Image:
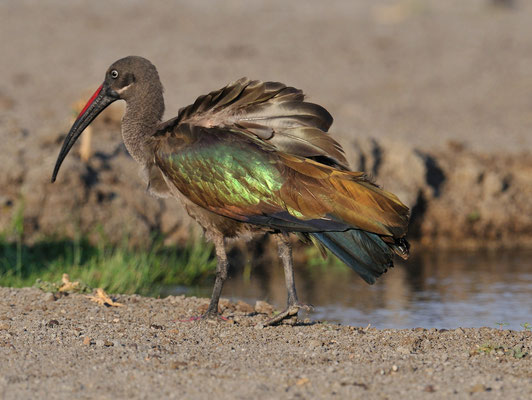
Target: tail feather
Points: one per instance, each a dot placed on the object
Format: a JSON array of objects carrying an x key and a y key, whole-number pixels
[
  {"x": 366, "y": 253},
  {"x": 400, "y": 246}
]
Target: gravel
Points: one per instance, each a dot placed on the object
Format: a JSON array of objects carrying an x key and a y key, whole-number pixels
[{"x": 71, "y": 348}]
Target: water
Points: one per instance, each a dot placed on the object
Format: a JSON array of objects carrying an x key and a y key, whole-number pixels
[{"x": 430, "y": 291}]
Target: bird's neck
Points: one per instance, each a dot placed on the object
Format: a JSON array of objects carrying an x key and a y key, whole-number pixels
[{"x": 143, "y": 114}]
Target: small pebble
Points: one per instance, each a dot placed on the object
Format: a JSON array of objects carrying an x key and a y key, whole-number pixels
[
  {"x": 87, "y": 341},
  {"x": 429, "y": 389},
  {"x": 49, "y": 297},
  {"x": 302, "y": 381},
  {"x": 479, "y": 388},
  {"x": 262, "y": 307},
  {"x": 100, "y": 343},
  {"x": 403, "y": 350},
  {"x": 177, "y": 364},
  {"x": 52, "y": 323},
  {"x": 244, "y": 307}
]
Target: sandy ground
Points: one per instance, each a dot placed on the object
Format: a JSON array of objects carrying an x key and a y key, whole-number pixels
[
  {"x": 421, "y": 73},
  {"x": 73, "y": 348}
]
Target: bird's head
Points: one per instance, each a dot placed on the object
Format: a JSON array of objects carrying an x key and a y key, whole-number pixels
[
  {"x": 130, "y": 76},
  {"x": 127, "y": 79}
]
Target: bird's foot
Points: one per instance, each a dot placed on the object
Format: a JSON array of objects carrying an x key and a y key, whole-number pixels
[{"x": 289, "y": 315}]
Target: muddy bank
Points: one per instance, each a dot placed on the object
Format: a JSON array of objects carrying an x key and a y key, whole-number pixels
[
  {"x": 71, "y": 347},
  {"x": 459, "y": 198},
  {"x": 432, "y": 99}
]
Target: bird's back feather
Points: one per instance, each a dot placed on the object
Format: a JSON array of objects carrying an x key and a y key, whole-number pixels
[{"x": 273, "y": 112}]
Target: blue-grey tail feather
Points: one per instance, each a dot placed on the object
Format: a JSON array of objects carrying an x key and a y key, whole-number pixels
[{"x": 363, "y": 251}]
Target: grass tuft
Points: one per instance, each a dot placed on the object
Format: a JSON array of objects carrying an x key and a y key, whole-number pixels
[{"x": 116, "y": 269}]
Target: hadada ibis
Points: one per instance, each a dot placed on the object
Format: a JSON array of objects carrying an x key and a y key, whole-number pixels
[{"x": 253, "y": 157}]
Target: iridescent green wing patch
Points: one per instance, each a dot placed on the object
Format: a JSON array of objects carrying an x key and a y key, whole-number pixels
[{"x": 224, "y": 173}]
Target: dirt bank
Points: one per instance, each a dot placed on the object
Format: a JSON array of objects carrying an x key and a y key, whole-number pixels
[
  {"x": 431, "y": 98},
  {"x": 73, "y": 348}
]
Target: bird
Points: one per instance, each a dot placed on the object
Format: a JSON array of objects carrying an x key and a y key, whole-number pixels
[{"x": 251, "y": 158}]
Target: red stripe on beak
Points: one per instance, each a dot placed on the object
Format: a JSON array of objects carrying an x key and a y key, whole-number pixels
[{"x": 96, "y": 93}]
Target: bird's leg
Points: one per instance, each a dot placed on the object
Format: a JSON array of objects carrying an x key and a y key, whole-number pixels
[
  {"x": 285, "y": 254},
  {"x": 293, "y": 305},
  {"x": 221, "y": 275}
]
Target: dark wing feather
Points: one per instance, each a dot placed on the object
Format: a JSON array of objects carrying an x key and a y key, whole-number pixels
[{"x": 271, "y": 111}]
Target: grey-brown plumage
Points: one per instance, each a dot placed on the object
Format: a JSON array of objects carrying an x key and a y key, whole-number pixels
[{"x": 253, "y": 157}]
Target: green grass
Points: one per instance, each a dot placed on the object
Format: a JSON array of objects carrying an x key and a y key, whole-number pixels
[{"x": 117, "y": 269}]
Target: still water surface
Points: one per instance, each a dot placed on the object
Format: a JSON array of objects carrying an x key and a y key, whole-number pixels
[{"x": 431, "y": 290}]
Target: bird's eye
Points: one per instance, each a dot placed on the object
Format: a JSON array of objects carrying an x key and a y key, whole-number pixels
[{"x": 114, "y": 74}]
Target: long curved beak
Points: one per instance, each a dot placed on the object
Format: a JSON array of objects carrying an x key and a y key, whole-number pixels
[{"x": 96, "y": 104}]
